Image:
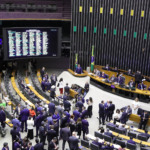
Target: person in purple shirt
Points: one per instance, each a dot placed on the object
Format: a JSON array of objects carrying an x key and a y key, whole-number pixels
[
  {"x": 24, "y": 114},
  {"x": 80, "y": 105},
  {"x": 85, "y": 127},
  {"x": 79, "y": 70},
  {"x": 84, "y": 113},
  {"x": 16, "y": 123},
  {"x": 2, "y": 117},
  {"x": 76, "y": 114},
  {"x": 5, "y": 146},
  {"x": 103, "y": 75},
  {"x": 56, "y": 116},
  {"x": 131, "y": 141}
]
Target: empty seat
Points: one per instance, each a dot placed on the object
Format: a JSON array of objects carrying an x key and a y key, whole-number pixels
[
  {"x": 144, "y": 148},
  {"x": 107, "y": 138},
  {"x": 121, "y": 143},
  {"x": 99, "y": 135},
  {"x": 85, "y": 143},
  {"x": 142, "y": 138},
  {"x": 120, "y": 131},
  {"x": 131, "y": 146},
  {"x": 110, "y": 127},
  {"x": 94, "y": 147},
  {"x": 132, "y": 134}
]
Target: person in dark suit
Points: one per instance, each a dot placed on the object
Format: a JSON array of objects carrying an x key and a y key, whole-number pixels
[
  {"x": 51, "y": 133},
  {"x": 85, "y": 127},
  {"x": 16, "y": 123},
  {"x": 84, "y": 113},
  {"x": 141, "y": 86},
  {"x": 42, "y": 72},
  {"x": 17, "y": 144},
  {"x": 112, "y": 79},
  {"x": 79, "y": 104},
  {"x": 65, "y": 133},
  {"x": 38, "y": 145},
  {"x": 42, "y": 134},
  {"x": 138, "y": 77},
  {"x": 101, "y": 113},
  {"x": 53, "y": 79},
  {"x": 2, "y": 117},
  {"x": 129, "y": 73},
  {"x": 76, "y": 114},
  {"x": 97, "y": 72},
  {"x": 107, "y": 67},
  {"x": 63, "y": 120},
  {"x": 5, "y": 146},
  {"x": 17, "y": 110},
  {"x": 128, "y": 110},
  {"x": 52, "y": 144},
  {"x": 52, "y": 92},
  {"x": 131, "y": 84},
  {"x": 51, "y": 107},
  {"x": 144, "y": 119},
  {"x": 73, "y": 142},
  {"x": 95, "y": 142},
  {"x": 24, "y": 114},
  {"x": 103, "y": 75},
  {"x": 111, "y": 109},
  {"x": 79, "y": 70},
  {"x": 131, "y": 141},
  {"x": 67, "y": 105},
  {"x": 120, "y": 81},
  {"x": 123, "y": 117},
  {"x": 30, "y": 147},
  {"x": 67, "y": 89},
  {"x": 86, "y": 88},
  {"x": 14, "y": 133}
]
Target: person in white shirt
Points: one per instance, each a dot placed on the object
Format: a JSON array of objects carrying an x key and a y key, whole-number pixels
[
  {"x": 117, "y": 116},
  {"x": 61, "y": 86},
  {"x": 30, "y": 124},
  {"x": 135, "y": 106}
]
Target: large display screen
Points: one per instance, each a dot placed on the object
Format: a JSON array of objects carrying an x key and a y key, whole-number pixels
[{"x": 31, "y": 42}]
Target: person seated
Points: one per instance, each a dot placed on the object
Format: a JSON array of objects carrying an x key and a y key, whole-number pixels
[
  {"x": 101, "y": 130},
  {"x": 108, "y": 146},
  {"x": 112, "y": 79},
  {"x": 106, "y": 67},
  {"x": 129, "y": 73},
  {"x": 79, "y": 70},
  {"x": 120, "y": 80},
  {"x": 122, "y": 127},
  {"x": 145, "y": 134},
  {"x": 115, "y": 69},
  {"x": 131, "y": 141},
  {"x": 141, "y": 86},
  {"x": 97, "y": 72},
  {"x": 97, "y": 143},
  {"x": 131, "y": 84},
  {"x": 117, "y": 116},
  {"x": 103, "y": 75},
  {"x": 108, "y": 133}
]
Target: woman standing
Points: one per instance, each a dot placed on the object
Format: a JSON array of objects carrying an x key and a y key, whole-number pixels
[
  {"x": 117, "y": 116},
  {"x": 135, "y": 106},
  {"x": 61, "y": 85},
  {"x": 90, "y": 107},
  {"x": 79, "y": 127},
  {"x": 30, "y": 124}
]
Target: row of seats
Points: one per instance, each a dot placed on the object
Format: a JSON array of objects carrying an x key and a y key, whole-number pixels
[{"x": 28, "y": 7}]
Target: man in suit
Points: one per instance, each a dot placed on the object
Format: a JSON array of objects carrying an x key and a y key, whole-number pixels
[
  {"x": 67, "y": 105},
  {"x": 84, "y": 113},
  {"x": 60, "y": 109},
  {"x": 17, "y": 144},
  {"x": 16, "y": 123},
  {"x": 128, "y": 110},
  {"x": 79, "y": 104},
  {"x": 85, "y": 127},
  {"x": 138, "y": 77},
  {"x": 101, "y": 113},
  {"x": 51, "y": 107},
  {"x": 67, "y": 89},
  {"x": 144, "y": 120},
  {"x": 97, "y": 72},
  {"x": 56, "y": 116},
  {"x": 38, "y": 145},
  {"x": 131, "y": 84},
  {"x": 95, "y": 142},
  {"x": 76, "y": 114},
  {"x": 42, "y": 72},
  {"x": 103, "y": 75},
  {"x": 65, "y": 133},
  {"x": 49, "y": 119},
  {"x": 111, "y": 109},
  {"x": 52, "y": 92},
  {"x": 17, "y": 110},
  {"x": 63, "y": 120},
  {"x": 2, "y": 117},
  {"x": 42, "y": 134},
  {"x": 51, "y": 133},
  {"x": 30, "y": 147},
  {"x": 52, "y": 144},
  {"x": 5, "y": 146},
  {"x": 73, "y": 142},
  {"x": 131, "y": 141},
  {"x": 86, "y": 88},
  {"x": 141, "y": 86},
  {"x": 123, "y": 117},
  {"x": 24, "y": 114},
  {"x": 53, "y": 79},
  {"x": 37, "y": 122},
  {"x": 120, "y": 80},
  {"x": 112, "y": 79},
  {"x": 43, "y": 84},
  {"x": 78, "y": 69}
]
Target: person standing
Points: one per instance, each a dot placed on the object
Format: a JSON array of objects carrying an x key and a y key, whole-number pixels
[
  {"x": 30, "y": 147},
  {"x": 2, "y": 117},
  {"x": 85, "y": 127},
  {"x": 51, "y": 107},
  {"x": 64, "y": 135},
  {"x": 86, "y": 88},
  {"x": 53, "y": 145},
  {"x": 135, "y": 106},
  {"x": 30, "y": 124},
  {"x": 53, "y": 79},
  {"x": 5, "y": 146},
  {"x": 101, "y": 113},
  {"x": 16, "y": 123},
  {"x": 90, "y": 107},
  {"x": 38, "y": 145},
  {"x": 61, "y": 86},
  {"x": 67, "y": 89},
  {"x": 144, "y": 120},
  {"x": 79, "y": 127},
  {"x": 73, "y": 142}
]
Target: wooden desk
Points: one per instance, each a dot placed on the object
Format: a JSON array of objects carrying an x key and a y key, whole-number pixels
[{"x": 84, "y": 74}]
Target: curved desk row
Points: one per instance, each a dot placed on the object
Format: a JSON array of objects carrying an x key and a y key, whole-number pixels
[
  {"x": 20, "y": 93},
  {"x": 84, "y": 74},
  {"x": 35, "y": 92}
]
